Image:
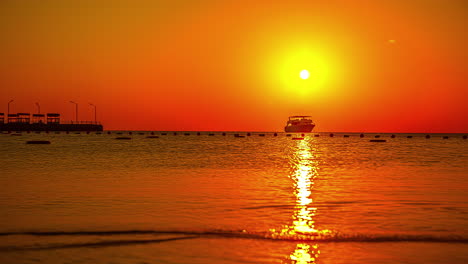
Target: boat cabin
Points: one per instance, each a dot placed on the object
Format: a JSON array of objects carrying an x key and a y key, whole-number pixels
[
  {"x": 295, "y": 120},
  {"x": 299, "y": 118}
]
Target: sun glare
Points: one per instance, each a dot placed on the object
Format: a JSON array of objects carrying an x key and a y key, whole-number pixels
[
  {"x": 304, "y": 74},
  {"x": 314, "y": 66}
]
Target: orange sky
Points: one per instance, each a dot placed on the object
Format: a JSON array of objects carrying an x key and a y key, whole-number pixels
[{"x": 383, "y": 66}]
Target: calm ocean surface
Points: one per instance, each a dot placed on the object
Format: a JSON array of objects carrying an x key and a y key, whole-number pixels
[{"x": 221, "y": 199}]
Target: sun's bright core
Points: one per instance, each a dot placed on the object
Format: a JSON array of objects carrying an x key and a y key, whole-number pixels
[{"x": 304, "y": 74}]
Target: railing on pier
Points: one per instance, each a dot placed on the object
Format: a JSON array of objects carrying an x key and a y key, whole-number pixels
[{"x": 81, "y": 122}]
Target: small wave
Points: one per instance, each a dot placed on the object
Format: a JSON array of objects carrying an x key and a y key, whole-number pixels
[
  {"x": 316, "y": 204},
  {"x": 268, "y": 206},
  {"x": 94, "y": 244},
  {"x": 315, "y": 237}
]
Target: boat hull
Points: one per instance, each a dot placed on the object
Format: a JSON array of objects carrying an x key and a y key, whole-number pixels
[{"x": 299, "y": 128}]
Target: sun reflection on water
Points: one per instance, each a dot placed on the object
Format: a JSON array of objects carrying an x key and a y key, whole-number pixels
[
  {"x": 305, "y": 254},
  {"x": 305, "y": 169}
]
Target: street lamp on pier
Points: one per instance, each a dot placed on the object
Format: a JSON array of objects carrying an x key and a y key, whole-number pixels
[
  {"x": 95, "y": 112},
  {"x": 76, "y": 111},
  {"x": 8, "y": 111}
]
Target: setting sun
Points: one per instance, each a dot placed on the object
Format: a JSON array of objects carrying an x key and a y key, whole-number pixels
[{"x": 304, "y": 74}]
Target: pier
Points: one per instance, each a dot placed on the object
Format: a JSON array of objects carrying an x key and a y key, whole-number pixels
[{"x": 44, "y": 122}]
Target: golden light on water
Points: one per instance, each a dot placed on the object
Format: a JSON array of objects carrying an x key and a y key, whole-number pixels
[
  {"x": 305, "y": 254},
  {"x": 302, "y": 227},
  {"x": 303, "y": 223},
  {"x": 305, "y": 170},
  {"x": 303, "y": 177}
]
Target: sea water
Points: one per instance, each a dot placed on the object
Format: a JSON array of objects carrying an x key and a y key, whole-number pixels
[{"x": 188, "y": 198}]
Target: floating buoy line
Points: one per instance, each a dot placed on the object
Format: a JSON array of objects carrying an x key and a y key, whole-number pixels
[{"x": 125, "y": 135}]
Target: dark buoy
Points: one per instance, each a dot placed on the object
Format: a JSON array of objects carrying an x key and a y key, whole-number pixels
[
  {"x": 377, "y": 140},
  {"x": 152, "y": 133},
  {"x": 377, "y": 136},
  {"x": 346, "y": 136},
  {"x": 108, "y": 132},
  {"x": 152, "y": 137},
  {"x": 302, "y": 135},
  {"x": 39, "y": 142},
  {"x": 331, "y": 135},
  {"x": 261, "y": 135},
  {"x": 428, "y": 136},
  {"x": 409, "y": 137},
  {"x": 316, "y": 135},
  {"x": 248, "y": 134},
  {"x": 175, "y": 133},
  {"x": 211, "y": 134},
  {"x": 224, "y": 134},
  {"x": 445, "y": 137},
  {"x": 392, "y": 136},
  {"x": 464, "y": 137},
  {"x": 130, "y": 133},
  {"x": 361, "y": 136},
  {"x": 123, "y": 138},
  {"x": 288, "y": 135},
  {"x": 186, "y": 134},
  {"x": 275, "y": 134},
  {"x": 198, "y": 134}
]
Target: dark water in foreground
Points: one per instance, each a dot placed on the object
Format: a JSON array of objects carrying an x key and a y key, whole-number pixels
[{"x": 220, "y": 199}]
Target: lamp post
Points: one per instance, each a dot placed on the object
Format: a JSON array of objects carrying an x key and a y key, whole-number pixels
[
  {"x": 38, "y": 108},
  {"x": 8, "y": 111},
  {"x": 76, "y": 111},
  {"x": 95, "y": 111}
]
